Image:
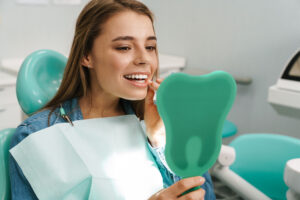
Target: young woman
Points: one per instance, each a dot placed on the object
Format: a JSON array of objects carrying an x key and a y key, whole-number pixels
[{"x": 111, "y": 71}]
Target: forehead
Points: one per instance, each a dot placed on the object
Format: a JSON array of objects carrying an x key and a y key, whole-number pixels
[{"x": 128, "y": 23}]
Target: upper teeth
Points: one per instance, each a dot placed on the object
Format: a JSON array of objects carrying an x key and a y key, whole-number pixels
[{"x": 137, "y": 76}]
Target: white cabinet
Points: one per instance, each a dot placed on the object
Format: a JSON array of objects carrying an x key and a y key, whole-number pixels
[
  {"x": 169, "y": 64},
  {"x": 10, "y": 111},
  {"x": 284, "y": 97}
]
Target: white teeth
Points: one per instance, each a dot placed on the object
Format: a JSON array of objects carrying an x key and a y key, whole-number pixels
[
  {"x": 140, "y": 81},
  {"x": 137, "y": 76}
]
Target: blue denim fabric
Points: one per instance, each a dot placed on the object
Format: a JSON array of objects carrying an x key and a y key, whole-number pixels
[{"x": 20, "y": 187}]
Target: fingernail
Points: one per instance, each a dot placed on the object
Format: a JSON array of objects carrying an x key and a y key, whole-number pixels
[{"x": 202, "y": 179}]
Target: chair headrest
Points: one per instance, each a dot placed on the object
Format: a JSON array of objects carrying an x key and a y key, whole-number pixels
[{"x": 39, "y": 78}]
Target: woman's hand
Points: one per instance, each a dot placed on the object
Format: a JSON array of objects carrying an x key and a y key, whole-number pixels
[
  {"x": 175, "y": 191},
  {"x": 154, "y": 125}
]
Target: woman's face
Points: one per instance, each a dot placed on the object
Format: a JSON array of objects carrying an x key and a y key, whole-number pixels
[{"x": 124, "y": 56}]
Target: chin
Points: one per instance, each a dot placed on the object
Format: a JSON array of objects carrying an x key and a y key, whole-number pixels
[{"x": 135, "y": 97}]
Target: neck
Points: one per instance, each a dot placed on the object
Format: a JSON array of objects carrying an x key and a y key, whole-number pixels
[{"x": 100, "y": 104}]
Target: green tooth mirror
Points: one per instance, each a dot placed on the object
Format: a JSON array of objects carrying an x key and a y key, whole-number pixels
[{"x": 194, "y": 109}]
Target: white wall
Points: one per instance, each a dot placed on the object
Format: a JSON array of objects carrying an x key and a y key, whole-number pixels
[
  {"x": 249, "y": 38},
  {"x": 24, "y": 29},
  {"x": 245, "y": 37}
]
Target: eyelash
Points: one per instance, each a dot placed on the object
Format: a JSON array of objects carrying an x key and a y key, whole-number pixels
[
  {"x": 123, "y": 48},
  {"x": 151, "y": 48}
]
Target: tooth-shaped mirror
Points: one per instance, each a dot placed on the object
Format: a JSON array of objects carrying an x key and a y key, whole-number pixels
[{"x": 193, "y": 109}]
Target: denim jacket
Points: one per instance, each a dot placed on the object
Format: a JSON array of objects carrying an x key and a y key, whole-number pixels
[{"x": 20, "y": 187}]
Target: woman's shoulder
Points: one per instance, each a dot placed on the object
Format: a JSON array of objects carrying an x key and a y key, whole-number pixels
[
  {"x": 41, "y": 119},
  {"x": 44, "y": 119},
  {"x": 34, "y": 123}
]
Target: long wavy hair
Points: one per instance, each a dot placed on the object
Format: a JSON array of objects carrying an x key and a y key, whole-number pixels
[{"x": 89, "y": 25}]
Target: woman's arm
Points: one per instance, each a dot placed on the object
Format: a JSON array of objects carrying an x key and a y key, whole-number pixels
[{"x": 20, "y": 187}]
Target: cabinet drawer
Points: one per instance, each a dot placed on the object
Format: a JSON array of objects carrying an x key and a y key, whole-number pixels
[
  {"x": 8, "y": 95},
  {"x": 10, "y": 116}
]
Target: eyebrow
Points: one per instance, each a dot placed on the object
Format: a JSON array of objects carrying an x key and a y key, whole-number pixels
[{"x": 131, "y": 38}]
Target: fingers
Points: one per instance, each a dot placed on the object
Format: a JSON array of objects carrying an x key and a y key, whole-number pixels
[
  {"x": 155, "y": 84},
  {"x": 197, "y": 194},
  {"x": 159, "y": 80},
  {"x": 186, "y": 184},
  {"x": 157, "y": 195},
  {"x": 180, "y": 187},
  {"x": 149, "y": 96}
]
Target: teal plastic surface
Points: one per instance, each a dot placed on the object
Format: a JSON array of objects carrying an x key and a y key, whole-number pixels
[
  {"x": 261, "y": 158},
  {"x": 5, "y": 138},
  {"x": 229, "y": 129},
  {"x": 39, "y": 79},
  {"x": 193, "y": 109}
]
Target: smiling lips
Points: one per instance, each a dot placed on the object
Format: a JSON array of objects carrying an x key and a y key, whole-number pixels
[{"x": 138, "y": 79}]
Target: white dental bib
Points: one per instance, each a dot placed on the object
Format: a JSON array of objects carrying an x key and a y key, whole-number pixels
[{"x": 103, "y": 158}]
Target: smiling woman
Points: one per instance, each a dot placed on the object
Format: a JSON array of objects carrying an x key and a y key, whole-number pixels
[
  {"x": 120, "y": 38},
  {"x": 110, "y": 78}
]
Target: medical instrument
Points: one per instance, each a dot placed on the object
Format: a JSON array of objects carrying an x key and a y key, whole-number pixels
[
  {"x": 286, "y": 92},
  {"x": 290, "y": 77},
  {"x": 64, "y": 115}
]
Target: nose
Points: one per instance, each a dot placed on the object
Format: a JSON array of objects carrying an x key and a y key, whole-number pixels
[{"x": 141, "y": 57}]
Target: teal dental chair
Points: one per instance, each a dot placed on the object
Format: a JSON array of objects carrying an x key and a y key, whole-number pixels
[
  {"x": 38, "y": 80},
  {"x": 255, "y": 166},
  {"x": 5, "y": 138},
  {"x": 261, "y": 159},
  {"x": 229, "y": 129}
]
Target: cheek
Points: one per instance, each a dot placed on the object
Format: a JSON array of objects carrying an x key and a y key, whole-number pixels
[
  {"x": 111, "y": 66},
  {"x": 119, "y": 63}
]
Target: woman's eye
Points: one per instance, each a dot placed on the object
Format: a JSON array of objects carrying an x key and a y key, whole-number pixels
[
  {"x": 123, "y": 48},
  {"x": 151, "y": 48}
]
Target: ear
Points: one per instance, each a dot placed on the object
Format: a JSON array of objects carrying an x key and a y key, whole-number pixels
[{"x": 87, "y": 61}]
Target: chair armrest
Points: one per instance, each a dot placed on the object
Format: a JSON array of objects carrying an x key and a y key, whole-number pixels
[
  {"x": 222, "y": 171},
  {"x": 226, "y": 156},
  {"x": 292, "y": 178}
]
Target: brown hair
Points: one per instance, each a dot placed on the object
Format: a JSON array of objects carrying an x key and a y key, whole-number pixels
[{"x": 76, "y": 80}]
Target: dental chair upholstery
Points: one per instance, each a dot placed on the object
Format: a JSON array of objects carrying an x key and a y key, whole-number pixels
[
  {"x": 5, "y": 138},
  {"x": 39, "y": 78},
  {"x": 261, "y": 159},
  {"x": 229, "y": 129}
]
